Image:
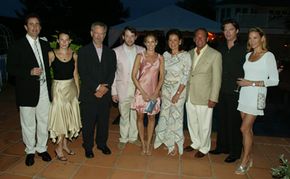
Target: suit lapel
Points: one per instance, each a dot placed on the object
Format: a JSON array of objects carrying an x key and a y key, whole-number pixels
[{"x": 202, "y": 60}]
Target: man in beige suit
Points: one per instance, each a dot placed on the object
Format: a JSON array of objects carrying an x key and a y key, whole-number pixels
[
  {"x": 203, "y": 91},
  {"x": 123, "y": 88}
]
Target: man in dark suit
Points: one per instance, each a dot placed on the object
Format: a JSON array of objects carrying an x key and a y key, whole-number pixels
[
  {"x": 229, "y": 136},
  {"x": 28, "y": 63},
  {"x": 97, "y": 66}
]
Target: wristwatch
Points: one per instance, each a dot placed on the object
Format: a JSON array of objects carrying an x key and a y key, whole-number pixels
[{"x": 254, "y": 84}]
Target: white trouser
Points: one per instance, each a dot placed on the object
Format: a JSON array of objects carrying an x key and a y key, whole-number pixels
[
  {"x": 128, "y": 123},
  {"x": 34, "y": 123},
  {"x": 199, "y": 121}
]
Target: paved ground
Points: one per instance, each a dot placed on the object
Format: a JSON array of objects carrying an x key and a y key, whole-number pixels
[{"x": 127, "y": 163}]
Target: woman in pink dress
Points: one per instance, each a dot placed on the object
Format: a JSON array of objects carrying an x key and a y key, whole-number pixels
[{"x": 147, "y": 75}]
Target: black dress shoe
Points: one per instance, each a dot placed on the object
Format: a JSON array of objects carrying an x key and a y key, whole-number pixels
[
  {"x": 105, "y": 149},
  {"x": 188, "y": 149},
  {"x": 89, "y": 154},
  {"x": 29, "y": 161},
  {"x": 199, "y": 154},
  {"x": 215, "y": 152},
  {"x": 45, "y": 156},
  {"x": 231, "y": 159}
]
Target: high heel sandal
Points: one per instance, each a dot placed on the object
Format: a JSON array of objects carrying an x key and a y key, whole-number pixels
[
  {"x": 143, "y": 150},
  {"x": 242, "y": 170},
  {"x": 69, "y": 151},
  {"x": 61, "y": 158},
  {"x": 149, "y": 150}
]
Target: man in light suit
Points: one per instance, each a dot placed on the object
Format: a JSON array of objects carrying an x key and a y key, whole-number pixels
[
  {"x": 97, "y": 66},
  {"x": 204, "y": 86},
  {"x": 123, "y": 88},
  {"x": 28, "y": 63}
]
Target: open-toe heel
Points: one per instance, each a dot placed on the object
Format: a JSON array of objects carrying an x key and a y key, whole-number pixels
[
  {"x": 69, "y": 151},
  {"x": 149, "y": 150},
  {"x": 61, "y": 158},
  {"x": 143, "y": 150}
]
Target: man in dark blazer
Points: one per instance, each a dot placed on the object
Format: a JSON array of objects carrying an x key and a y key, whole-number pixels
[
  {"x": 97, "y": 66},
  {"x": 28, "y": 62}
]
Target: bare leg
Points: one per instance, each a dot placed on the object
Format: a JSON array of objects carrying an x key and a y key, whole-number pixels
[
  {"x": 140, "y": 126},
  {"x": 65, "y": 147},
  {"x": 247, "y": 131},
  {"x": 150, "y": 130},
  {"x": 59, "y": 149}
]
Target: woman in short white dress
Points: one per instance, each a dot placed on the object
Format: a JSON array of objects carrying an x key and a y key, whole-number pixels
[{"x": 260, "y": 72}]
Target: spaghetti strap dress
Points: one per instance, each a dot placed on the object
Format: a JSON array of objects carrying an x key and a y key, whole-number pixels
[{"x": 148, "y": 77}]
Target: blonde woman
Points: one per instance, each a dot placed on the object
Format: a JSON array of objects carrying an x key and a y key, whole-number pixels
[
  {"x": 260, "y": 71},
  {"x": 147, "y": 75}
]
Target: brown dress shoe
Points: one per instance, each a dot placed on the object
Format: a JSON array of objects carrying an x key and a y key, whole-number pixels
[
  {"x": 188, "y": 149},
  {"x": 199, "y": 154}
]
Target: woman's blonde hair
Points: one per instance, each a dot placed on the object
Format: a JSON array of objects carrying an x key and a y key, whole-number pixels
[{"x": 262, "y": 34}]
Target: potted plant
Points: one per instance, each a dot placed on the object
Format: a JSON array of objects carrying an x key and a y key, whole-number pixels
[{"x": 283, "y": 170}]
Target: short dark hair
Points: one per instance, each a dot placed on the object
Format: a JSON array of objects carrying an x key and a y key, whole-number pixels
[
  {"x": 202, "y": 29},
  {"x": 178, "y": 34},
  {"x": 64, "y": 31},
  {"x": 131, "y": 29},
  {"x": 230, "y": 21},
  {"x": 31, "y": 15}
]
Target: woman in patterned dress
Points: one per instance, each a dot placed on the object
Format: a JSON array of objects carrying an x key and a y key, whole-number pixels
[{"x": 169, "y": 130}]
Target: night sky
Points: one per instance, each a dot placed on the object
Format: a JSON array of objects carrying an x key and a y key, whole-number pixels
[{"x": 137, "y": 7}]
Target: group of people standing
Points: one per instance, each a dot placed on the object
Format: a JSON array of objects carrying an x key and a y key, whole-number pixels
[{"x": 141, "y": 81}]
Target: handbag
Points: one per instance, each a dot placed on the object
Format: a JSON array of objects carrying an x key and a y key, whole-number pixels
[
  {"x": 150, "y": 106},
  {"x": 261, "y": 99}
]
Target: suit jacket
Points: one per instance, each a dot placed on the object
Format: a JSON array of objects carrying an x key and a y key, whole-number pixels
[
  {"x": 205, "y": 78},
  {"x": 20, "y": 61},
  {"x": 123, "y": 72},
  {"x": 92, "y": 72}
]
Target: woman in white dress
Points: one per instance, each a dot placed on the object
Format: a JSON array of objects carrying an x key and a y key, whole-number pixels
[
  {"x": 260, "y": 72},
  {"x": 177, "y": 68}
]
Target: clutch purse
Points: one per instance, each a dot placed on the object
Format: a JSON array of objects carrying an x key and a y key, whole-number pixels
[
  {"x": 150, "y": 106},
  {"x": 261, "y": 100}
]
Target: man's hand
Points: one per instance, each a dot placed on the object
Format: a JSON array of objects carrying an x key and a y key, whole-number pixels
[
  {"x": 115, "y": 98},
  {"x": 35, "y": 71},
  {"x": 101, "y": 91},
  {"x": 211, "y": 104}
]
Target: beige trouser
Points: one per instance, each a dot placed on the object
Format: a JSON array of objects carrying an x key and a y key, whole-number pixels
[
  {"x": 128, "y": 124},
  {"x": 34, "y": 123},
  {"x": 199, "y": 121}
]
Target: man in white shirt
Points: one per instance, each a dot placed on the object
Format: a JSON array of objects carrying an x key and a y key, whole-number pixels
[
  {"x": 123, "y": 88},
  {"x": 28, "y": 63}
]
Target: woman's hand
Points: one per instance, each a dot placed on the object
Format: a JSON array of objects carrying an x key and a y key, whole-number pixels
[
  {"x": 145, "y": 97},
  {"x": 243, "y": 82},
  {"x": 175, "y": 98},
  {"x": 155, "y": 95}
]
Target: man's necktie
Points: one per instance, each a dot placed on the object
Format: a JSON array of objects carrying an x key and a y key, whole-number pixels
[{"x": 38, "y": 57}]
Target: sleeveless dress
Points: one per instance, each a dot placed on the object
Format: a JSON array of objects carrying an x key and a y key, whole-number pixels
[
  {"x": 64, "y": 115},
  {"x": 264, "y": 69},
  {"x": 148, "y": 77}
]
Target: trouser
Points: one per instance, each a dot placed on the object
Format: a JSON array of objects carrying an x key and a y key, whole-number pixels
[
  {"x": 95, "y": 116},
  {"x": 199, "y": 120},
  {"x": 34, "y": 122},
  {"x": 229, "y": 136}
]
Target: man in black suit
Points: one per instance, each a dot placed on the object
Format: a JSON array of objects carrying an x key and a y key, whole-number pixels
[
  {"x": 28, "y": 62},
  {"x": 97, "y": 66}
]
